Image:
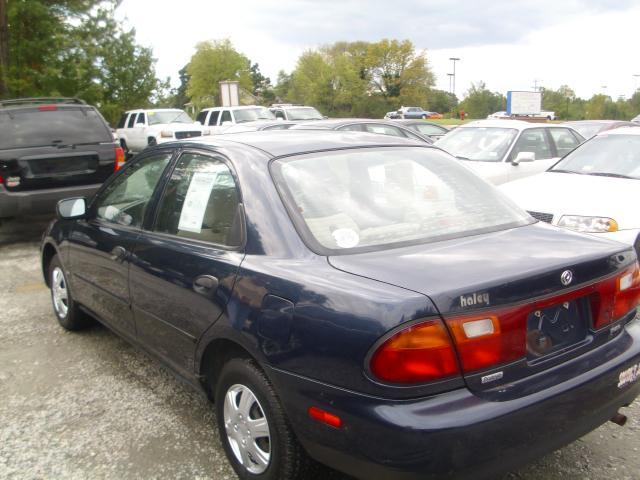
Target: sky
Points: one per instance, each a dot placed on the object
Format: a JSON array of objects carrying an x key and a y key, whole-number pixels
[{"x": 590, "y": 45}]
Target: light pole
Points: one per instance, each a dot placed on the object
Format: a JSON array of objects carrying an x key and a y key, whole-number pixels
[
  {"x": 454, "y": 60},
  {"x": 450, "y": 78}
]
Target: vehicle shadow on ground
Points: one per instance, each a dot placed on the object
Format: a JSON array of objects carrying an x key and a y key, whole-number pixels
[{"x": 23, "y": 229}]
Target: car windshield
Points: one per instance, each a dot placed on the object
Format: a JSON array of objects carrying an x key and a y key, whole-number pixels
[
  {"x": 303, "y": 113},
  {"x": 604, "y": 155},
  {"x": 384, "y": 197},
  {"x": 35, "y": 127},
  {"x": 483, "y": 144},
  {"x": 168, "y": 116},
  {"x": 243, "y": 115}
]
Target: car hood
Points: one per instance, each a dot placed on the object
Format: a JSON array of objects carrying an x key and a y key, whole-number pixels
[
  {"x": 491, "y": 269},
  {"x": 574, "y": 194}
]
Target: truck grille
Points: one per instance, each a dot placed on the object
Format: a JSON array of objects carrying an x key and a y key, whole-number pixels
[
  {"x": 543, "y": 217},
  {"x": 181, "y": 135}
]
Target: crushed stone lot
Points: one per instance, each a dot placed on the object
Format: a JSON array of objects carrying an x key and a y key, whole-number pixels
[{"x": 89, "y": 405}]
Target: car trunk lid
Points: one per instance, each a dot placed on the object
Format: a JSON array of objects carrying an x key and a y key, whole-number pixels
[{"x": 518, "y": 274}]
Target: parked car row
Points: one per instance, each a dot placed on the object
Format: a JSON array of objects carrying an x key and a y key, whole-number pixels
[{"x": 411, "y": 113}]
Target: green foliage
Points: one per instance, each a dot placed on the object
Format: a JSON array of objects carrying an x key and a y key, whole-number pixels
[
  {"x": 441, "y": 101},
  {"x": 480, "y": 101},
  {"x": 213, "y": 62},
  {"x": 77, "y": 48},
  {"x": 359, "y": 78}
]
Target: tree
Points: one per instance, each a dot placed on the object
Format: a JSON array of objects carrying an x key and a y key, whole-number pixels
[
  {"x": 441, "y": 101},
  {"x": 262, "y": 88},
  {"x": 480, "y": 101},
  {"x": 213, "y": 62},
  {"x": 283, "y": 85}
]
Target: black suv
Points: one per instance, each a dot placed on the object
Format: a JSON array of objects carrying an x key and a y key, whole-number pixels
[{"x": 52, "y": 148}]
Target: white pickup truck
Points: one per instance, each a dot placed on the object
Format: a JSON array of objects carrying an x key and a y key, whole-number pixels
[{"x": 138, "y": 129}]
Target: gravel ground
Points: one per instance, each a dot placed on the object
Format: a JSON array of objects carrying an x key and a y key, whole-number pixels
[{"x": 88, "y": 405}]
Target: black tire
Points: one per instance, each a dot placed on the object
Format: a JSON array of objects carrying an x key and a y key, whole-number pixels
[
  {"x": 288, "y": 460},
  {"x": 73, "y": 318}
]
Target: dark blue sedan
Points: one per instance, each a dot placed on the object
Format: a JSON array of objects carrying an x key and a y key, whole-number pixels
[{"x": 361, "y": 301}]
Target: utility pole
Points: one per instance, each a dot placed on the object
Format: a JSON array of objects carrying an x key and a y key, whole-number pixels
[
  {"x": 535, "y": 84},
  {"x": 454, "y": 60},
  {"x": 450, "y": 84}
]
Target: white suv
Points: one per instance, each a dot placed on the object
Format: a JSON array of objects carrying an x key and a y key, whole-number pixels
[
  {"x": 138, "y": 129},
  {"x": 219, "y": 119},
  {"x": 286, "y": 111}
]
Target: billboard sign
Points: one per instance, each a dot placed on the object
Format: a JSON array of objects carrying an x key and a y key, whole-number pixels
[{"x": 524, "y": 103}]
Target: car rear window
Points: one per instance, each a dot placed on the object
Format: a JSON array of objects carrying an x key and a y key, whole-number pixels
[
  {"x": 59, "y": 126},
  {"x": 373, "y": 198}
]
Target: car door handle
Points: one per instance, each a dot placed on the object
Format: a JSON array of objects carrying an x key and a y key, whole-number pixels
[
  {"x": 118, "y": 254},
  {"x": 205, "y": 284}
]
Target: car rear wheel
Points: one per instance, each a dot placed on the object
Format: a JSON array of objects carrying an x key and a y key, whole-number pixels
[
  {"x": 424, "y": 117},
  {"x": 253, "y": 428},
  {"x": 67, "y": 311}
]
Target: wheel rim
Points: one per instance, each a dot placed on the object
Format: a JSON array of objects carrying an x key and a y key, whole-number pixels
[
  {"x": 59, "y": 292},
  {"x": 247, "y": 429}
]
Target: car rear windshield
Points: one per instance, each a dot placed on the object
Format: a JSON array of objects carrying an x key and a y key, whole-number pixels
[
  {"x": 483, "y": 144},
  {"x": 303, "y": 113},
  {"x": 36, "y": 127},
  {"x": 606, "y": 156},
  {"x": 372, "y": 198}
]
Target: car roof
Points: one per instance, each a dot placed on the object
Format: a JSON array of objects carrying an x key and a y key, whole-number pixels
[
  {"x": 596, "y": 122},
  {"x": 277, "y": 143},
  {"x": 336, "y": 122},
  {"x": 416, "y": 121},
  {"x": 620, "y": 131},
  {"x": 138, "y": 110},
  {"x": 507, "y": 123},
  {"x": 237, "y": 107}
]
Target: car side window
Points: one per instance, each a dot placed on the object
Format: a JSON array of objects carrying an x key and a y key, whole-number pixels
[
  {"x": 122, "y": 122},
  {"x": 427, "y": 129},
  {"x": 384, "y": 130},
  {"x": 533, "y": 140},
  {"x": 142, "y": 118},
  {"x": 279, "y": 114},
  {"x": 213, "y": 119},
  {"x": 564, "y": 139},
  {"x": 132, "y": 120},
  {"x": 226, "y": 117},
  {"x": 201, "y": 202},
  {"x": 202, "y": 117},
  {"x": 124, "y": 201},
  {"x": 356, "y": 127}
]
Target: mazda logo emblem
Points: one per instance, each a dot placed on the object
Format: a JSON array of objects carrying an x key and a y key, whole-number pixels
[{"x": 567, "y": 277}]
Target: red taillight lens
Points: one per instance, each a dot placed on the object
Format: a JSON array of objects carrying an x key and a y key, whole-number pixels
[
  {"x": 420, "y": 353},
  {"x": 616, "y": 297},
  {"x": 325, "y": 417},
  {"x": 1, "y": 180},
  {"x": 120, "y": 159},
  {"x": 47, "y": 108}
]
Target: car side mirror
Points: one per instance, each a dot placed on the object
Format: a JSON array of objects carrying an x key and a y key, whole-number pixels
[
  {"x": 139, "y": 125},
  {"x": 70, "y": 208},
  {"x": 524, "y": 157}
]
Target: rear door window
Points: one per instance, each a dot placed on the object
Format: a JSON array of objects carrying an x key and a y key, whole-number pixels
[
  {"x": 142, "y": 118},
  {"x": 384, "y": 130},
  {"x": 201, "y": 202},
  {"x": 226, "y": 117},
  {"x": 132, "y": 120},
  {"x": 54, "y": 127}
]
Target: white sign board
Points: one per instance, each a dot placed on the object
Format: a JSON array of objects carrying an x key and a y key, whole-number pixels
[
  {"x": 229, "y": 94},
  {"x": 196, "y": 201},
  {"x": 524, "y": 103}
]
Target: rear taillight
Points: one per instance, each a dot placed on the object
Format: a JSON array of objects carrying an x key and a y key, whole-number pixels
[
  {"x": 420, "y": 353},
  {"x": 1, "y": 180},
  {"x": 120, "y": 159},
  {"x": 424, "y": 352},
  {"x": 48, "y": 108}
]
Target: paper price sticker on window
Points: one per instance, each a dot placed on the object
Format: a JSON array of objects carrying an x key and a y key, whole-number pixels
[
  {"x": 629, "y": 376},
  {"x": 196, "y": 201}
]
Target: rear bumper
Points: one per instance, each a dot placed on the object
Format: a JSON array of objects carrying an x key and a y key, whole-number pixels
[
  {"x": 460, "y": 434},
  {"x": 39, "y": 201}
]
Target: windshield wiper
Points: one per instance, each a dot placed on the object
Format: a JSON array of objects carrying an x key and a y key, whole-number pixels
[
  {"x": 614, "y": 175},
  {"x": 559, "y": 170}
]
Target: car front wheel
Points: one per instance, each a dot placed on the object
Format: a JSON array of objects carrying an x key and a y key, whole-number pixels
[
  {"x": 67, "y": 311},
  {"x": 253, "y": 428}
]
